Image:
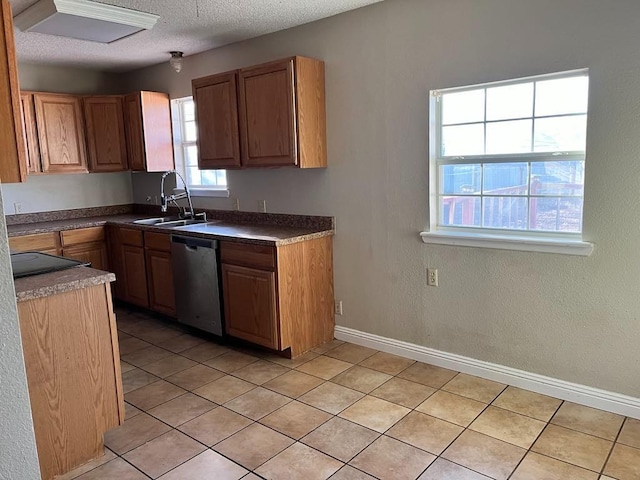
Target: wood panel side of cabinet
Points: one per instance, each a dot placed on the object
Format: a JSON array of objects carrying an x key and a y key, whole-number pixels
[
  {"x": 157, "y": 131},
  {"x": 133, "y": 131},
  {"x": 311, "y": 115},
  {"x": 160, "y": 281},
  {"x": 13, "y": 161},
  {"x": 267, "y": 115},
  {"x": 216, "y": 103},
  {"x": 250, "y": 305},
  {"x": 61, "y": 133},
  {"x": 106, "y": 142},
  {"x": 305, "y": 294},
  {"x": 30, "y": 133},
  {"x": 73, "y": 375}
]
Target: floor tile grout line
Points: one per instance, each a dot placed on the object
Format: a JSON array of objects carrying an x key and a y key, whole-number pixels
[
  {"x": 547, "y": 423},
  {"x": 615, "y": 442}
]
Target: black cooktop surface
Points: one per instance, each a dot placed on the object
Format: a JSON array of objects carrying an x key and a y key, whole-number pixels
[{"x": 35, "y": 263}]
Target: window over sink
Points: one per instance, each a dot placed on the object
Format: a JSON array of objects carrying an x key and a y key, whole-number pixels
[
  {"x": 204, "y": 183},
  {"x": 508, "y": 161}
]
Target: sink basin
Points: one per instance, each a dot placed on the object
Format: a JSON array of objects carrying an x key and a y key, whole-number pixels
[
  {"x": 156, "y": 221},
  {"x": 180, "y": 223}
]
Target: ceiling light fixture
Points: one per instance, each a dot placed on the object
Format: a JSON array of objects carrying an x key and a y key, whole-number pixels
[
  {"x": 176, "y": 61},
  {"x": 84, "y": 20}
]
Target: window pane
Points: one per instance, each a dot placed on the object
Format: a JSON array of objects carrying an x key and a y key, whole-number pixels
[
  {"x": 506, "y": 179},
  {"x": 222, "y": 177},
  {"x": 209, "y": 177},
  {"x": 558, "y": 178},
  {"x": 463, "y": 107},
  {"x": 188, "y": 110},
  {"x": 458, "y": 179},
  {"x": 191, "y": 156},
  {"x": 505, "y": 212},
  {"x": 561, "y": 96},
  {"x": 512, "y": 101},
  {"x": 463, "y": 140},
  {"x": 509, "y": 137},
  {"x": 460, "y": 211},
  {"x": 556, "y": 214},
  {"x": 561, "y": 134},
  {"x": 193, "y": 176},
  {"x": 190, "y": 132}
]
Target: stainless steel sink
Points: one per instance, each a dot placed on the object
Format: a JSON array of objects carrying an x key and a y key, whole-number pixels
[
  {"x": 156, "y": 221},
  {"x": 180, "y": 223}
]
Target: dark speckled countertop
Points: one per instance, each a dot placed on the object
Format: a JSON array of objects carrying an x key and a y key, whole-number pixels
[
  {"x": 273, "y": 235},
  {"x": 47, "y": 284}
]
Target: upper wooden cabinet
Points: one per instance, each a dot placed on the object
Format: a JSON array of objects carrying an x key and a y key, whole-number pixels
[
  {"x": 147, "y": 121},
  {"x": 281, "y": 116},
  {"x": 60, "y": 132},
  {"x": 13, "y": 160},
  {"x": 107, "y": 146},
  {"x": 217, "y": 119}
]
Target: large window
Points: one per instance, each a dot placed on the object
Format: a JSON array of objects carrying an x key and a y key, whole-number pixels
[
  {"x": 508, "y": 158},
  {"x": 185, "y": 138}
]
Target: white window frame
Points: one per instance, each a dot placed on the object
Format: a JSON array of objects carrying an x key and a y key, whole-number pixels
[
  {"x": 569, "y": 243},
  {"x": 179, "y": 145}
]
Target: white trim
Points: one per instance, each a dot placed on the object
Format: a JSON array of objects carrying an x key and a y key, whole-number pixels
[
  {"x": 222, "y": 192},
  {"x": 503, "y": 242},
  {"x": 42, "y": 10},
  {"x": 573, "y": 392}
]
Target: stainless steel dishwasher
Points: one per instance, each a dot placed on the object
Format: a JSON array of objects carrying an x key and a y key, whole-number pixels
[{"x": 195, "y": 282}]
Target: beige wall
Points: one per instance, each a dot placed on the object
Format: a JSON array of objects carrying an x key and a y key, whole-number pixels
[
  {"x": 18, "y": 455},
  {"x": 572, "y": 318},
  {"x": 61, "y": 192}
]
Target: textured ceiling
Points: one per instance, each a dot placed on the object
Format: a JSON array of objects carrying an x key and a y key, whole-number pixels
[{"x": 190, "y": 26}]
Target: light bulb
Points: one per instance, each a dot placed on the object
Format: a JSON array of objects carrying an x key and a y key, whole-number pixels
[{"x": 176, "y": 61}]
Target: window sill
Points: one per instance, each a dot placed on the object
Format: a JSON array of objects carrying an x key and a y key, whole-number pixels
[
  {"x": 205, "y": 192},
  {"x": 503, "y": 242}
]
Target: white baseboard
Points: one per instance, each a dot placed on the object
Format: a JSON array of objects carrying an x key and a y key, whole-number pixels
[{"x": 573, "y": 392}]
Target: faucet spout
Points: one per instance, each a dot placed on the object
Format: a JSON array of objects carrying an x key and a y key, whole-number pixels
[{"x": 165, "y": 199}]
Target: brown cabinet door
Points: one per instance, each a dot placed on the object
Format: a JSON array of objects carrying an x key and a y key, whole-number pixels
[
  {"x": 105, "y": 133},
  {"x": 13, "y": 159},
  {"x": 267, "y": 115},
  {"x": 116, "y": 265},
  {"x": 30, "y": 133},
  {"x": 160, "y": 280},
  {"x": 250, "y": 305},
  {"x": 133, "y": 129},
  {"x": 216, "y": 103},
  {"x": 96, "y": 253},
  {"x": 135, "y": 276},
  {"x": 61, "y": 133}
]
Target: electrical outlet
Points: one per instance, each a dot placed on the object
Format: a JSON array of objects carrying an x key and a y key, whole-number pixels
[
  {"x": 432, "y": 277},
  {"x": 235, "y": 204},
  {"x": 17, "y": 207},
  {"x": 338, "y": 307},
  {"x": 262, "y": 206}
]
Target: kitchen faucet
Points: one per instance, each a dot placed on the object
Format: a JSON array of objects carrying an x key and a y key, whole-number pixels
[{"x": 164, "y": 200}]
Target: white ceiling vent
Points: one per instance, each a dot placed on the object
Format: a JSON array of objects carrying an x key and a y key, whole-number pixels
[{"x": 83, "y": 19}]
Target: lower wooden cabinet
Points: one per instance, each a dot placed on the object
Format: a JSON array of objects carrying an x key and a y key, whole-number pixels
[
  {"x": 279, "y": 297},
  {"x": 159, "y": 273},
  {"x": 39, "y": 242},
  {"x": 250, "y": 304},
  {"x": 86, "y": 245},
  {"x": 141, "y": 262}
]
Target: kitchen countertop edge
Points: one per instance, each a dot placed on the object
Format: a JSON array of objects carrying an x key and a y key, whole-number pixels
[
  {"x": 48, "y": 284},
  {"x": 128, "y": 219}
]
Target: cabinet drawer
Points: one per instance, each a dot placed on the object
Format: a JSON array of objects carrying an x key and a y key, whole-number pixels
[
  {"x": 258, "y": 256},
  {"x": 82, "y": 235},
  {"x": 129, "y": 236},
  {"x": 157, "y": 241},
  {"x": 39, "y": 241}
]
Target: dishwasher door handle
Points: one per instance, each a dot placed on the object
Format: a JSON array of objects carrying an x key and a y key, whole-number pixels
[{"x": 190, "y": 248}]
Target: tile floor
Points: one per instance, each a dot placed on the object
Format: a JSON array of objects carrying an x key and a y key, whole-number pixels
[{"x": 199, "y": 410}]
